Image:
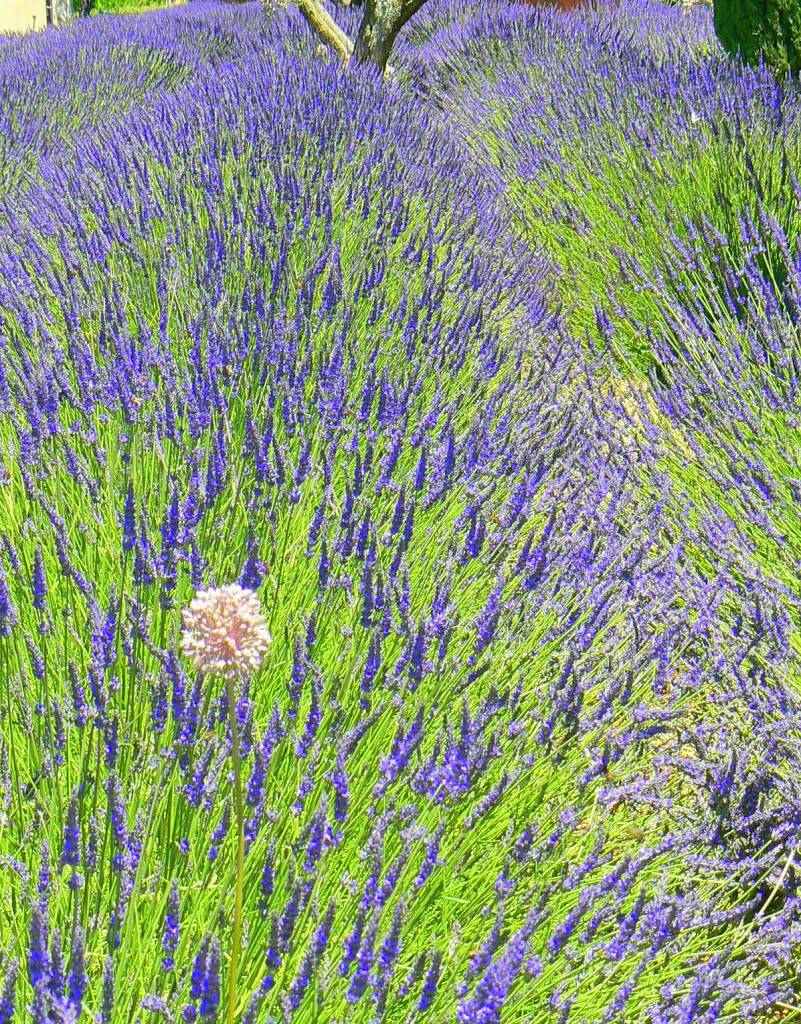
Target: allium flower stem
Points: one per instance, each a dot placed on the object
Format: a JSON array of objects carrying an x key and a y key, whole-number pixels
[
  {"x": 240, "y": 848},
  {"x": 225, "y": 632}
]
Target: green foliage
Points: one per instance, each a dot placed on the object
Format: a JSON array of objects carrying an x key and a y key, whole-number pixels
[
  {"x": 125, "y": 6},
  {"x": 597, "y": 196},
  {"x": 769, "y": 27},
  {"x": 603, "y": 195}
]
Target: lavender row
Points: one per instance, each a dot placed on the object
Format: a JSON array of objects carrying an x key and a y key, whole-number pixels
[{"x": 508, "y": 710}]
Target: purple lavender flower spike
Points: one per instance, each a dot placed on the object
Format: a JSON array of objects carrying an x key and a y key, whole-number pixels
[
  {"x": 9, "y": 993},
  {"x": 171, "y": 927},
  {"x": 429, "y": 989}
]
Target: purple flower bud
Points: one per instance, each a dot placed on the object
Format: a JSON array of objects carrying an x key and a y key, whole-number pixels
[
  {"x": 420, "y": 473},
  {"x": 37, "y": 661},
  {"x": 254, "y": 569},
  {"x": 299, "y": 671},
  {"x": 79, "y": 705},
  {"x": 367, "y": 596},
  {"x": 310, "y": 960},
  {"x": 144, "y": 570},
  {"x": 323, "y": 566},
  {"x": 372, "y": 665},
  {"x": 280, "y": 469},
  {"x": 431, "y": 857},
  {"x": 107, "y": 1001},
  {"x": 38, "y": 956},
  {"x": 92, "y": 847},
  {"x": 43, "y": 886},
  {"x": 363, "y": 535},
  {"x": 71, "y": 853},
  {"x": 488, "y": 802},
  {"x": 323, "y": 933},
  {"x": 364, "y": 963},
  {"x": 491, "y": 992},
  {"x": 488, "y": 620},
  {"x": 250, "y": 1016},
  {"x": 77, "y": 979},
  {"x": 171, "y": 927},
  {"x": 429, "y": 989},
  {"x": 398, "y": 513},
  {"x": 352, "y": 942},
  {"x": 8, "y": 612},
  {"x": 311, "y": 630},
  {"x": 117, "y": 811},
  {"x": 157, "y": 1005},
  {"x": 358, "y": 476},
  {"x": 8, "y": 998},
  {"x": 475, "y": 535},
  {"x": 347, "y": 508},
  {"x": 390, "y": 947},
  {"x": 159, "y": 708},
  {"x": 392, "y": 877},
  {"x": 199, "y": 968},
  {"x": 417, "y": 652},
  {"x": 197, "y": 566},
  {"x": 111, "y": 736},
  {"x": 368, "y": 395},
  {"x": 290, "y": 915},
  {"x": 339, "y": 779},
  {"x": 171, "y": 525},
  {"x": 312, "y": 724},
  {"x": 129, "y": 520},
  {"x": 39, "y": 580},
  {"x": 40, "y": 1007},
  {"x": 315, "y": 527},
  {"x": 318, "y": 837},
  {"x": 210, "y": 986},
  {"x": 272, "y": 958}
]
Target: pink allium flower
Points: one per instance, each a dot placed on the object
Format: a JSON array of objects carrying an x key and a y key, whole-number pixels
[{"x": 225, "y": 632}]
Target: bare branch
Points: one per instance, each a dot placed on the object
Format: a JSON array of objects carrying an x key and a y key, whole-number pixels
[
  {"x": 381, "y": 22},
  {"x": 321, "y": 23},
  {"x": 409, "y": 9}
]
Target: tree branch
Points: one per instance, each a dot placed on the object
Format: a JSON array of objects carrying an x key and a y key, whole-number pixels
[
  {"x": 381, "y": 22},
  {"x": 324, "y": 26},
  {"x": 409, "y": 9}
]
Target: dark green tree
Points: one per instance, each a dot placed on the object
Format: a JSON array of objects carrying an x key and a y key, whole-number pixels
[
  {"x": 381, "y": 22},
  {"x": 769, "y": 27}
]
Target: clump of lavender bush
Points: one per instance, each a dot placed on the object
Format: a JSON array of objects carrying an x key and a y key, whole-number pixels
[{"x": 522, "y": 748}]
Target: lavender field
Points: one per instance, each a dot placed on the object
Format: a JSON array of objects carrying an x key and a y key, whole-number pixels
[{"x": 399, "y": 536}]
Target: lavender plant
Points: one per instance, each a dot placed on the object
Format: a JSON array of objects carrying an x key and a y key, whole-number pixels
[{"x": 524, "y": 746}]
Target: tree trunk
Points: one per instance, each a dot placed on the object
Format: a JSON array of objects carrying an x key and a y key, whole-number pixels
[
  {"x": 377, "y": 33},
  {"x": 326, "y": 29},
  {"x": 61, "y": 11},
  {"x": 381, "y": 23}
]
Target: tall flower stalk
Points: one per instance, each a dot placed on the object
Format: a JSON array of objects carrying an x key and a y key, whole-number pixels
[
  {"x": 240, "y": 847},
  {"x": 225, "y": 633}
]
